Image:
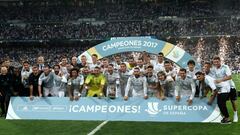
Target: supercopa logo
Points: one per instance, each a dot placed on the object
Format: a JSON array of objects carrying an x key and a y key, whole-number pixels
[{"x": 153, "y": 108}]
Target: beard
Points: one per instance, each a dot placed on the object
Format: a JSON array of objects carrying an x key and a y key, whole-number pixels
[
  {"x": 137, "y": 76},
  {"x": 56, "y": 72},
  {"x": 149, "y": 74}
]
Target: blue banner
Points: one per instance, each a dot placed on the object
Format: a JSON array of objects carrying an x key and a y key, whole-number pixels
[
  {"x": 135, "y": 109},
  {"x": 139, "y": 44}
]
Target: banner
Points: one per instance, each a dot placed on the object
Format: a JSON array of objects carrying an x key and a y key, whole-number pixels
[
  {"x": 135, "y": 109},
  {"x": 139, "y": 44}
]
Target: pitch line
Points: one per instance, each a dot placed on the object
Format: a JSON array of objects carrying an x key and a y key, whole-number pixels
[{"x": 98, "y": 128}]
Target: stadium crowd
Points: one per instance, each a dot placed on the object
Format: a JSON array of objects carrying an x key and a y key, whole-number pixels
[
  {"x": 101, "y": 21},
  {"x": 106, "y": 29}
]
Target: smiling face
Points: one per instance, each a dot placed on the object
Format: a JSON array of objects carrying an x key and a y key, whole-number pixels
[
  {"x": 46, "y": 70},
  {"x": 64, "y": 61},
  {"x": 160, "y": 58},
  {"x": 182, "y": 74},
  {"x": 118, "y": 59},
  {"x": 161, "y": 77},
  {"x": 191, "y": 67},
  {"x": 136, "y": 72},
  {"x": 26, "y": 66},
  {"x": 35, "y": 70},
  {"x": 217, "y": 63},
  {"x": 74, "y": 60},
  {"x": 149, "y": 71},
  {"x": 7, "y": 63},
  {"x": 123, "y": 67},
  {"x": 96, "y": 71},
  {"x": 74, "y": 73},
  {"x": 4, "y": 70},
  {"x": 110, "y": 68},
  {"x": 94, "y": 58},
  {"x": 167, "y": 66},
  {"x": 83, "y": 60},
  {"x": 131, "y": 61},
  {"x": 206, "y": 68},
  {"x": 40, "y": 60},
  {"x": 200, "y": 77},
  {"x": 56, "y": 69},
  {"x": 105, "y": 63},
  {"x": 140, "y": 62}
]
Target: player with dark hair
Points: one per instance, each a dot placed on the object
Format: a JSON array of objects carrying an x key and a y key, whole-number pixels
[
  {"x": 131, "y": 63},
  {"x": 59, "y": 88},
  {"x": 124, "y": 75},
  {"x": 152, "y": 82},
  {"x": 166, "y": 85},
  {"x": 191, "y": 70},
  {"x": 113, "y": 82},
  {"x": 94, "y": 62},
  {"x": 94, "y": 83},
  {"x": 17, "y": 83},
  {"x": 170, "y": 71},
  {"x": 46, "y": 82},
  {"x": 222, "y": 75},
  {"x": 75, "y": 84},
  {"x": 138, "y": 84},
  {"x": 117, "y": 62},
  {"x": 26, "y": 71},
  {"x": 159, "y": 63},
  {"x": 185, "y": 86},
  {"x": 74, "y": 62},
  {"x": 33, "y": 81},
  {"x": 207, "y": 68},
  {"x": 206, "y": 82}
]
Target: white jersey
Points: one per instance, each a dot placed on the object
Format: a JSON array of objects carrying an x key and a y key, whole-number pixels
[
  {"x": 116, "y": 66},
  {"x": 158, "y": 66},
  {"x": 75, "y": 84},
  {"x": 168, "y": 87},
  {"x": 191, "y": 74},
  {"x": 232, "y": 84},
  {"x": 152, "y": 80},
  {"x": 92, "y": 65},
  {"x": 171, "y": 75},
  {"x": 209, "y": 81},
  {"x": 220, "y": 73},
  {"x": 46, "y": 80},
  {"x": 138, "y": 86},
  {"x": 185, "y": 87},
  {"x": 112, "y": 78},
  {"x": 60, "y": 85},
  {"x": 104, "y": 70},
  {"x": 25, "y": 75},
  {"x": 64, "y": 71},
  {"x": 211, "y": 73},
  {"x": 113, "y": 83},
  {"x": 221, "y": 87},
  {"x": 123, "y": 82},
  {"x": 60, "y": 82},
  {"x": 142, "y": 70}
]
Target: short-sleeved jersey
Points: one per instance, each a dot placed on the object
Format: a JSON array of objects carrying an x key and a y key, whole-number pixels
[{"x": 46, "y": 81}]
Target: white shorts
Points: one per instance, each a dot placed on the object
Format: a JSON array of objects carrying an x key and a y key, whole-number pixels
[{"x": 47, "y": 92}]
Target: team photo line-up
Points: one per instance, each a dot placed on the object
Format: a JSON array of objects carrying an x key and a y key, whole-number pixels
[{"x": 145, "y": 76}]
